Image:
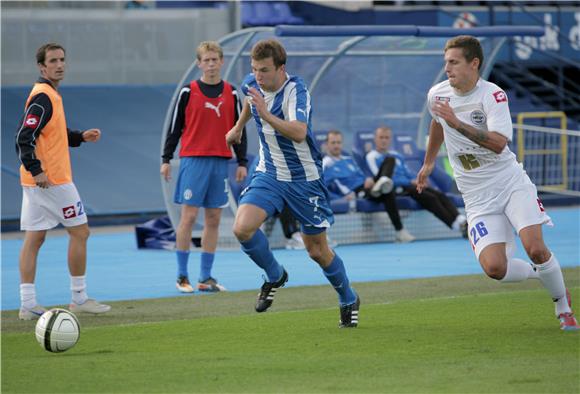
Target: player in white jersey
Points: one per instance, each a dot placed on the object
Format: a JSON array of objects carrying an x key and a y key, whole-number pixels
[
  {"x": 472, "y": 116},
  {"x": 289, "y": 174}
]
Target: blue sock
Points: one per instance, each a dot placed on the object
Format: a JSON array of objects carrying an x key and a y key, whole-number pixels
[
  {"x": 182, "y": 258},
  {"x": 258, "y": 249},
  {"x": 206, "y": 264},
  {"x": 336, "y": 275}
]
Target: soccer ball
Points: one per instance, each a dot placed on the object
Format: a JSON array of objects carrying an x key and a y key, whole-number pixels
[{"x": 57, "y": 330}]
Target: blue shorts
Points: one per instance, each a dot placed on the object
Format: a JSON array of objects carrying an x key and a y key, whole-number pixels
[
  {"x": 308, "y": 200},
  {"x": 202, "y": 182}
]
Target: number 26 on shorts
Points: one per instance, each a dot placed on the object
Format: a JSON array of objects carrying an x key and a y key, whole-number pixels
[{"x": 477, "y": 232}]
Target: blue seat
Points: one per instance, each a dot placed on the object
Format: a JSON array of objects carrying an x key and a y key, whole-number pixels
[
  {"x": 282, "y": 9},
  {"x": 403, "y": 202},
  {"x": 340, "y": 205},
  {"x": 363, "y": 143},
  {"x": 265, "y": 14},
  {"x": 320, "y": 139},
  {"x": 248, "y": 14}
]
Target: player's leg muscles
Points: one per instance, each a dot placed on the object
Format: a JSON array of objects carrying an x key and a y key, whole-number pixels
[
  {"x": 317, "y": 247},
  {"x": 493, "y": 260},
  {"x": 248, "y": 219},
  {"x": 33, "y": 240},
  {"x": 332, "y": 266},
  {"x": 210, "y": 229},
  {"x": 533, "y": 243},
  {"x": 77, "y": 249},
  {"x": 186, "y": 222}
]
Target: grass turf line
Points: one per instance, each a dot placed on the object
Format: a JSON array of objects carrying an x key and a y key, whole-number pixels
[{"x": 506, "y": 341}]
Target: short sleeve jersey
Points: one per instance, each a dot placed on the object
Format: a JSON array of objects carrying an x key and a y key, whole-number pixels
[
  {"x": 280, "y": 157},
  {"x": 485, "y": 108}
]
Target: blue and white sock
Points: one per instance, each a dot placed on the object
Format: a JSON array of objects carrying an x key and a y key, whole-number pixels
[
  {"x": 182, "y": 259},
  {"x": 336, "y": 275},
  {"x": 206, "y": 265},
  {"x": 258, "y": 249}
]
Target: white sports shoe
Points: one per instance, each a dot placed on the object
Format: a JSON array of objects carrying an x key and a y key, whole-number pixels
[
  {"x": 404, "y": 236},
  {"x": 384, "y": 185},
  {"x": 183, "y": 285},
  {"x": 296, "y": 242},
  {"x": 89, "y": 306},
  {"x": 32, "y": 313}
]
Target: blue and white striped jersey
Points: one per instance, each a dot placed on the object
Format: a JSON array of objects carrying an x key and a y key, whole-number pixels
[{"x": 280, "y": 157}]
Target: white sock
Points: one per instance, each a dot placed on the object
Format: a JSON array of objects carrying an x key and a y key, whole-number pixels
[
  {"x": 28, "y": 295},
  {"x": 78, "y": 286},
  {"x": 458, "y": 220},
  {"x": 519, "y": 270},
  {"x": 551, "y": 277}
]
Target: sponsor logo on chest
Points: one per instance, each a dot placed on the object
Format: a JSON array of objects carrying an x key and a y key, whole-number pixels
[{"x": 443, "y": 99}]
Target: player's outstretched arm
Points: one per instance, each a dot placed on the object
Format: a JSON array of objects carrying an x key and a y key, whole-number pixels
[
  {"x": 491, "y": 140},
  {"x": 433, "y": 146}
]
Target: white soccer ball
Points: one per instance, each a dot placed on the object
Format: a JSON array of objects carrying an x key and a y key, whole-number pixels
[{"x": 57, "y": 330}]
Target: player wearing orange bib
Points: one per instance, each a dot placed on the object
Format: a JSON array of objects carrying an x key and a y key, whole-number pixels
[{"x": 49, "y": 196}]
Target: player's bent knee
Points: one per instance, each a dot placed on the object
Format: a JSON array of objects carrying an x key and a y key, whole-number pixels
[
  {"x": 243, "y": 233},
  {"x": 495, "y": 272},
  {"x": 494, "y": 269},
  {"x": 538, "y": 255},
  {"x": 315, "y": 252}
]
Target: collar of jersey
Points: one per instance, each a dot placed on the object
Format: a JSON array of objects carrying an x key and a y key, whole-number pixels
[
  {"x": 280, "y": 89},
  {"x": 471, "y": 91}
]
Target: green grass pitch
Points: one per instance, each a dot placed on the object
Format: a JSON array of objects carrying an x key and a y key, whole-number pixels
[{"x": 463, "y": 334}]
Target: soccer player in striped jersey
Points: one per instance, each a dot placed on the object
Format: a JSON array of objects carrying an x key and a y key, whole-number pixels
[
  {"x": 289, "y": 173},
  {"x": 472, "y": 116}
]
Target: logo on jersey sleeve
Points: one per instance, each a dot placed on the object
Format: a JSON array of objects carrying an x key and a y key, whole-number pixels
[
  {"x": 500, "y": 96},
  {"x": 69, "y": 212},
  {"x": 31, "y": 121}
]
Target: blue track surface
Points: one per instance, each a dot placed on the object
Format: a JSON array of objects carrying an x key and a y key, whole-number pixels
[{"x": 117, "y": 270}]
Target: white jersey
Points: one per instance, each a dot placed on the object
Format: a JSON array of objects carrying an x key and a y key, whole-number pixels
[{"x": 478, "y": 170}]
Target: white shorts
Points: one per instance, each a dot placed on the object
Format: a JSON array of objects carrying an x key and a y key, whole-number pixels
[
  {"x": 43, "y": 209},
  {"x": 523, "y": 209}
]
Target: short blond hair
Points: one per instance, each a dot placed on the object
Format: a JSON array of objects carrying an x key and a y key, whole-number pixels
[{"x": 209, "y": 46}]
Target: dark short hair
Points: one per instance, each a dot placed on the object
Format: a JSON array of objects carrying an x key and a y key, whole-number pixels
[
  {"x": 41, "y": 52},
  {"x": 470, "y": 47},
  {"x": 269, "y": 48},
  {"x": 334, "y": 131}
]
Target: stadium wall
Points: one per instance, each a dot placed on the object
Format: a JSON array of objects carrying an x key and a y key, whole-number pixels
[{"x": 109, "y": 46}]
